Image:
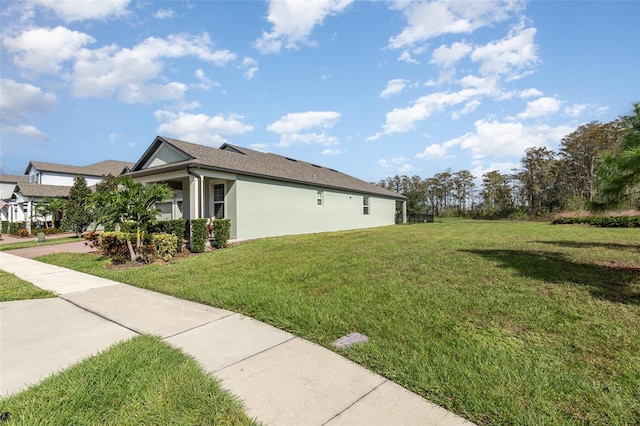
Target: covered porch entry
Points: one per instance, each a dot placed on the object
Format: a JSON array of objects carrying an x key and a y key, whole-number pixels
[{"x": 198, "y": 193}]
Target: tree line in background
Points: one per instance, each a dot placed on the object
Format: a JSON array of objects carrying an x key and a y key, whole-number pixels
[{"x": 597, "y": 167}]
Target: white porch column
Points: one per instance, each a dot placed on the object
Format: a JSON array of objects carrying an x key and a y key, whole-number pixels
[
  {"x": 194, "y": 197},
  {"x": 404, "y": 212}
]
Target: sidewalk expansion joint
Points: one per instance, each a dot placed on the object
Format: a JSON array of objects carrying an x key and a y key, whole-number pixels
[
  {"x": 356, "y": 401},
  {"x": 200, "y": 325},
  {"x": 255, "y": 354},
  {"x": 100, "y": 315}
]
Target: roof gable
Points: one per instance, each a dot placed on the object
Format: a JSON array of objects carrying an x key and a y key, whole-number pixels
[{"x": 160, "y": 152}]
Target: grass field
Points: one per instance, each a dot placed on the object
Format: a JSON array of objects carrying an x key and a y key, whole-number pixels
[
  {"x": 500, "y": 322},
  {"x": 30, "y": 242},
  {"x": 13, "y": 288},
  {"x": 142, "y": 381}
]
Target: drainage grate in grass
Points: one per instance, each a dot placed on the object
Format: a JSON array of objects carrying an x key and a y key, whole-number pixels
[{"x": 350, "y": 340}]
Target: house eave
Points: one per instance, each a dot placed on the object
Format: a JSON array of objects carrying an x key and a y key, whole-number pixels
[{"x": 195, "y": 165}]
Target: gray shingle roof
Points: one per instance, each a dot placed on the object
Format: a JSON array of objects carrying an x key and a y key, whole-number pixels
[
  {"x": 97, "y": 169},
  {"x": 37, "y": 190},
  {"x": 241, "y": 160},
  {"x": 14, "y": 178}
]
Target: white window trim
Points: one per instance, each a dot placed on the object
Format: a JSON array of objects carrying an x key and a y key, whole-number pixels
[
  {"x": 224, "y": 199},
  {"x": 366, "y": 205},
  {"x": 320, "y": 198}
]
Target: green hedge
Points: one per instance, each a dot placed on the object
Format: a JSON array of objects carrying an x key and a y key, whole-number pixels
[
  {"x": 601, "y": 221},
  {"x": 221, "y": 232},
  {"x": 198, "y": 235},
  {"x": 173, "y": 227},
  {"x": 154, "y": 246},
  {"x": 5, "y": 226},
  {"x": 15, "y": 227}
]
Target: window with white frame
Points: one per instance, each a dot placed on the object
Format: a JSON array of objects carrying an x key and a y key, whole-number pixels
[
  {"x": 320, "y": 198},
  {"x": 365, "y": 205},
  {"x": 218, "y": 200}
]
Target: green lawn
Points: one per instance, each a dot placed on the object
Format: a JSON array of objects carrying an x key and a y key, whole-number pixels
[
  {"x": 13, "y": 288},
  {"x": 142, "y": 381},
  {"x": 31, "y": 243},
  {"x": 500, "y": 322}
]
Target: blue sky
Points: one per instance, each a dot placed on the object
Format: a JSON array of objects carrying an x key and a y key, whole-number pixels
[{"x": 372, "y": 89}]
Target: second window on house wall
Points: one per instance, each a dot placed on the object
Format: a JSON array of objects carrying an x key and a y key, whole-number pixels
[
  {"x": 218, "y": 200},
  {"x": 320, "y": 198},
  {"x": 365, "y": 205}
]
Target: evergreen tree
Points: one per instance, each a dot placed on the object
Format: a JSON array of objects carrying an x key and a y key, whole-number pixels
[{"x": 77, "y": 214}]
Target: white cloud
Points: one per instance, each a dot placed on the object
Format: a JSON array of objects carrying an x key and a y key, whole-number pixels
[
  {"x": 576, "y": 109},
  {"x": 17, "y": 102},
  {"x": 205, "y": 82},
  {"x": 293, "y": 21},
  {"x": 19, "y": 98},
  {"x": 262, "y": 147},
  {"x": 434, "y": 151},
  {"x": 540, "y": 107},
  {"x": 406, "y": 57},
  {"x": 530, "y": 93},
  {"x": 426, "y": 20},
  {"x": 446, "y": 57},
  {"x": 469, "y": 107},
  {"x": 165, "y": 14},
  {"x": 200, "y": 128},
  {"x": 406, "y": 168},
  {"x": 331, "y": 151},
  {"x": 43, "y": 50},
  {"x": 296, "y": 128},
  {"x": 393, "y": 161},
  {"x": 29, "y": 131},
  {"x": 393, "y": 87},
  {"x": 509, "y": 55},
  {"x": 401, "y": 120},
  {"x": 249, "y": 67},
  {"x": 506, "y": 167},
  {"x": 494, "y": 138},
  {"x": 74, "y": 10},
  {"x": 110, "y": 70}
]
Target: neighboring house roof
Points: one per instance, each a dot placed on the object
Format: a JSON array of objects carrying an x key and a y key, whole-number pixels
[
  {"x": 14, "y": 178},
  {"x": 106, "y": 167},
  {"x": 37, "y": 190},
  {"x": 236, "y": 159}
]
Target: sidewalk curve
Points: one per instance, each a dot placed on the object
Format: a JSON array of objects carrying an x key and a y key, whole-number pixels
[{"x": 282, "y": 379}]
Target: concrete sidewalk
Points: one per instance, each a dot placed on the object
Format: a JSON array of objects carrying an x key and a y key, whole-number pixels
[{"x": 282, "y": 379}]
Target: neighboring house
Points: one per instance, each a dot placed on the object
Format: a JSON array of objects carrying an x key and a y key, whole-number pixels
[
  {"x": 7, "y": 186},
  {"x": 263, "y": 194},
  {"x": 48, "y": 180},
  {"x": 43, "y": 173}
]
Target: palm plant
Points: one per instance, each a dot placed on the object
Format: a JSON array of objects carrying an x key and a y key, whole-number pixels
[
  {"x": 133, "y": 202},
  {"x": 619, "y": 174}
]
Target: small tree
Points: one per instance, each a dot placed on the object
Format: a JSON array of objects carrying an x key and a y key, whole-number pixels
[
  {"x": 50, "y": 207},
  {"x": 134, "y": 202},
  {"x": 78, "y": 216}
]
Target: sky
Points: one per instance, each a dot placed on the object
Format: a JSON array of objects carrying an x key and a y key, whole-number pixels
[{"x": 370, "y": 88}]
